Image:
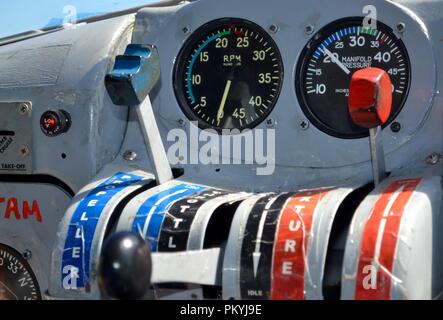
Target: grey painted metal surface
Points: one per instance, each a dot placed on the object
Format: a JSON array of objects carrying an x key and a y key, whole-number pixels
[
  {"x": 15, "y": 137},
  {"x": 65, "y": 70}
]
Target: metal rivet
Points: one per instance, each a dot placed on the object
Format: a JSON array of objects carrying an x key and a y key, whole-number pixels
[
  {"x": 273, "y": 28},
  {"x": 186, "y": 30},
  {"x": 24, "y": 151},
  {"x": 181, "y": 122},
  {"x": 433, "y": 159},
  {"x": 270, "y": 122},
  {"x": 129, "y": 155},
  {"x": 27, "y": 254},
  {"x": 309, "y": 29},
  {"x": 395, "y": 127},
  {"x": 304, "y": 125},
  {"x": 24, "y": 108},
  {"x": 401, "y": 27}
]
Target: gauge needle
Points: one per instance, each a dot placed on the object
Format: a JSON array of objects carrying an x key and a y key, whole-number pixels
[
  {"x": 336, "y": 61},
  {"x": 220, "y": 113},
  {"x": 10, "y": 291}
]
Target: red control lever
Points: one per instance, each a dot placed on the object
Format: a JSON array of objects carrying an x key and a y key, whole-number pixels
[
  {"x": 370, "y": 97},
  {"x": 369, "y": 105}
]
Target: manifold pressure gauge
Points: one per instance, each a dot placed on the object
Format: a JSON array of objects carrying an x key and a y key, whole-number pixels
[
  {"x": 331, "y": 57},
  {"x": 228, "y": 75},
  {"x": 17, "y": 281}
]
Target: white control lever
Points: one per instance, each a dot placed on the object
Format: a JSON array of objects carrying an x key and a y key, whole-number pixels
[
  {"x": 153, "y": 141},
  {"x": 127, "y": 268},
  {"x": 198, "y": 267}
]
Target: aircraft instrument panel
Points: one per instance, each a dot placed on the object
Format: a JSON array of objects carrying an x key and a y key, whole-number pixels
[{"x": 225, "y": 149}]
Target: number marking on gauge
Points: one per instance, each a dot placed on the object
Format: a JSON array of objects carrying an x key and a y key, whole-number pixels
[
  {"x": 194, "y": 58},
  {"x": 17, "y": 281},
  {"x": 230, "y": 68},
  {"x": 330, "y": 59}
]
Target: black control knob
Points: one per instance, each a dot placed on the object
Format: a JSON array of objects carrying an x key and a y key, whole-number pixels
[
  {"x": 55, "y": 122},
  {"x": 124, "y": 270}
]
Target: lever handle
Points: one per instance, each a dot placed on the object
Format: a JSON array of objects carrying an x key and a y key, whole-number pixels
[
  {"x": 370, "y": 97},
  {"x": 124, "y": 270},
  {"x": 131, "y": 80},
  {"x": 134, "y": 75},
  {"x": 369, "y": 105}
]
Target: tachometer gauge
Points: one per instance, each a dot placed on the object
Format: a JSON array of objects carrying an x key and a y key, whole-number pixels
[
  {"x": 331, "y": 57},
  {"x": 17, "y": 281},
  {"x": 228, "y": 75}
]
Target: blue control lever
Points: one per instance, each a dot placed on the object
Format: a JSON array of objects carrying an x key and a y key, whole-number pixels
[{"x": 134, "y": 75}]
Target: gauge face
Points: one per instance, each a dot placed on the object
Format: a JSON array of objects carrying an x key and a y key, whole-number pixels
[
  {"x": 325, "y": 69},
  {"x": 228, "y": 75},
  {"x": 17, "y": 281}
]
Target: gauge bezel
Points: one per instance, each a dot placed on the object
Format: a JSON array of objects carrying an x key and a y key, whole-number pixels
[
  {"x": 181, "y": 63},
  {"x": 305, "y": 56},
  {"x": 17, "y": 255}
]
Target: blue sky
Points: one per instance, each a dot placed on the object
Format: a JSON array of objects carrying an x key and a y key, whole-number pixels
[{"x": 23, "y": 15}]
